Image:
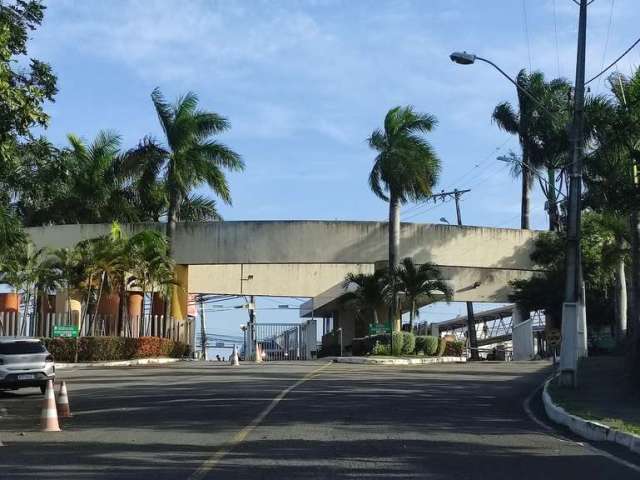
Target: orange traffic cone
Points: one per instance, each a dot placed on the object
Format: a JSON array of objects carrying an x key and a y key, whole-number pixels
[
  {"x": 63, "y": 402},
  {"x": 49, "y": 415}
]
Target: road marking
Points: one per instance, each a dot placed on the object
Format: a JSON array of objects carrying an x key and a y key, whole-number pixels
[
  {"x": 239, "y": 437},
  {"x": 552, "y": 432}
]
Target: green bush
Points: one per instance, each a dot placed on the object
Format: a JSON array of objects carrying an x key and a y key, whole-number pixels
[
  {"x": 397, "y": 344},
  {"x": 96, "y": 349},
  {"x": 420, "y": 344},
  {"x": 380, "y": 349},
  {"x": 430, "y": 345},
  {"x": 408, "y": 343}
]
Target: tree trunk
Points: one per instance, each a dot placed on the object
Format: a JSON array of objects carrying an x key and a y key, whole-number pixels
[
  {"x": 526, "y": 189},
  {"x": 375, "y": 316},
  {"x": 172, "y": 219},
  {"x": 394, "y": 249},
  {"x": 634, "y": 323},
  {"x": 621, "y": 297},
  {"x": 552, "y": 201},
  {"x": 122, "y": 307},
  {"x": 95, "y": 313},
  {"x": 412, "y": 315}
]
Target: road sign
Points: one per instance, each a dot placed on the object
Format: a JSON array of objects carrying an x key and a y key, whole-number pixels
[
  {"x": 378, "y": 328},
  {"x": 65, "y": 331}
]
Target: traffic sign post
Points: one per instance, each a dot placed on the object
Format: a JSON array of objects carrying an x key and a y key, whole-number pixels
[{"x": 69, "y": 331}]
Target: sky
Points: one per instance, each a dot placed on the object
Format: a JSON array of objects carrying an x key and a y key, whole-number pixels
[{"x": 304, "y": 83}]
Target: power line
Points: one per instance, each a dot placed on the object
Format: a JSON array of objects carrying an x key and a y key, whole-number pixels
[
  {"x": 606, "y": 41},
  {"x": 526, "y": 29},
  {"x": 457, "y": 181},
  {"x": 555, "y": 27},
  {"x": 614, "y": 62}
]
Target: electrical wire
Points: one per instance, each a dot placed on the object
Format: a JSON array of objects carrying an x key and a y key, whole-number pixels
[
  {"x": 526, "y": 30},
  {"x": 555, "y": 28},
  {"x": 606, "y": 41},
  {"x": 487, "y": 158},
  {"x": 614, "y": 62}
]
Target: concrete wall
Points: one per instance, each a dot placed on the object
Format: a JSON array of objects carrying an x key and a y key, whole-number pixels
[
  {"x": 322, "y": 242},
  {"x": 276, "y": 279}
]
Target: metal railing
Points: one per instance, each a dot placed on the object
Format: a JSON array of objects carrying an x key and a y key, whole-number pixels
[
  {"x": 281, "y": 341},
  {"x": 13, "y": 324}
]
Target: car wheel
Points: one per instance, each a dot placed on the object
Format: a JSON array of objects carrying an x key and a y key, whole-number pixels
[{"x": 43, "y": 389}]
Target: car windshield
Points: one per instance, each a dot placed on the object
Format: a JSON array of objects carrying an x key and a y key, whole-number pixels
[{"x": 21, "y": 348}]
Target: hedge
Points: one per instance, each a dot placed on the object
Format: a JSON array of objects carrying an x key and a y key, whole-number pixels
[
  {"x": 92, "y": 349},
  {"x": 427, "y": 345},
  {"x": 397, "y": 343},
  {"x": 408, "y": 343}
]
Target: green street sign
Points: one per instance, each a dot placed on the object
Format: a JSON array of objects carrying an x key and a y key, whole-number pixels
[
  {"x": 65, "y": 331},
  {"x": 378, "y": 328}
]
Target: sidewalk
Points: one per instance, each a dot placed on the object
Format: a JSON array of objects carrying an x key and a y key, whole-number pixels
[
  {"x": 375, "y": 360},
  {"x": 119, "y": 363},
  {"x": 604, "y": 406}
]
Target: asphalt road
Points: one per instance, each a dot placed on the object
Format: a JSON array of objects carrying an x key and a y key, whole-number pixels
[{"x": 212, "y": 421}]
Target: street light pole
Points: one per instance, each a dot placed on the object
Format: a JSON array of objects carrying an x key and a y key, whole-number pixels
[{"x": 573, "y": 286}]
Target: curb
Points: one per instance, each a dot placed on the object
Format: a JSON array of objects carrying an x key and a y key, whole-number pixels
[
  {"x": 118, "y": 363},
  {"x": 397, "y": 361},
  {"x": 588, "y": 429}
]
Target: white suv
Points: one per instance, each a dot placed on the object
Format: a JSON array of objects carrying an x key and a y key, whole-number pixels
[{"x": 25, "y": 362}]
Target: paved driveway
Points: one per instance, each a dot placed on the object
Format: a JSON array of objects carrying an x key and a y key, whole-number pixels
[{"x": 212, "y": 421}]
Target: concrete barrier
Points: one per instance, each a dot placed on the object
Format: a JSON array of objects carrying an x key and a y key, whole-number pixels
[
  {"x": 588, "y": 429},
  {"x": 118, "y": 363},
  {"x": 396, "y": 361}
]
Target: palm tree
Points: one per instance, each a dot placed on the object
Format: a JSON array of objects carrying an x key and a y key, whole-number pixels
[
  {"x": 366, "y": 293},
  {"x": 102, "y": 188},
  {"x": 11, "y": 232},
  {"x": 522, "y": 123},
  {"x": 405, "y": 169},
  {"x": 416, "y": 281},
  {"x": 26, "y": 269},
  {"x": 190, "y": 157}
]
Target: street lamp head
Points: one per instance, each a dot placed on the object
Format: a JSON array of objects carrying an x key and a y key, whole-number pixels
[
  {"x": 505, "y": 159},
  {"x": 444, "y": 220},
  {"x": 463, "y": 58}
]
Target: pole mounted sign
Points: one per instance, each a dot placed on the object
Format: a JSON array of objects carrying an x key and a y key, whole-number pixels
[
  {"x": 65, "y": 331},
  {"x": 378, "y": 328}
]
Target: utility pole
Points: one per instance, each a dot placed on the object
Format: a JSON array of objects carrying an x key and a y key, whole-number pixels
[
  {"x": 203, "y": 331},
  {"x": 471, "y": 324},
  {"x": 471, "y": 321},
  {"x": 573, "y": 287}
]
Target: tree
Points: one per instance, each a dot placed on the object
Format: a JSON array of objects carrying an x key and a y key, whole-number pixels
[
  {"x": 406, "y": 168},
  {"x": 27, "y": 270},
  {"x": 23, "y": 90},
  {"x": 190, "y": 157},
  {"x": 366, "y": 293},
  {"x": 416, "y": 281},
  {"x": 545, "y": 291},
  {"x": 522, "y": 123},
  {"x": 11, "y": 233}
]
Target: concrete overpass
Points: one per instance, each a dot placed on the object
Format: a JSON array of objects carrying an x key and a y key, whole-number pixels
[{"x": 311, "y": 258}]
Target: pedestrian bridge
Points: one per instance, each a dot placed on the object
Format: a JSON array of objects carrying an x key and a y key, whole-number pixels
[{"x": 311, "y": 258}]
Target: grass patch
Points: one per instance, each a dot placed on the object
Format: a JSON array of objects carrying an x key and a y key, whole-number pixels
[{"x": 604, "y": 394}]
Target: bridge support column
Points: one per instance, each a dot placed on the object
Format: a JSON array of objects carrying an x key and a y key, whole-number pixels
[{"x": 180, "y": 292}]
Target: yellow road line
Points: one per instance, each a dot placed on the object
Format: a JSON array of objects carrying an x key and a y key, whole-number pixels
[{"x": 239, "y": 437}]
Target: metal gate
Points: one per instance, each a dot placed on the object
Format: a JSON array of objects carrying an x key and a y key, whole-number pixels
[{"x": 281, "y": 341}]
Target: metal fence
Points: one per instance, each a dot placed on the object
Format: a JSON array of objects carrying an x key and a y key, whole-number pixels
[
  {"x": 13, "y": 324},
  {"x": 281, "y": 341}
]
